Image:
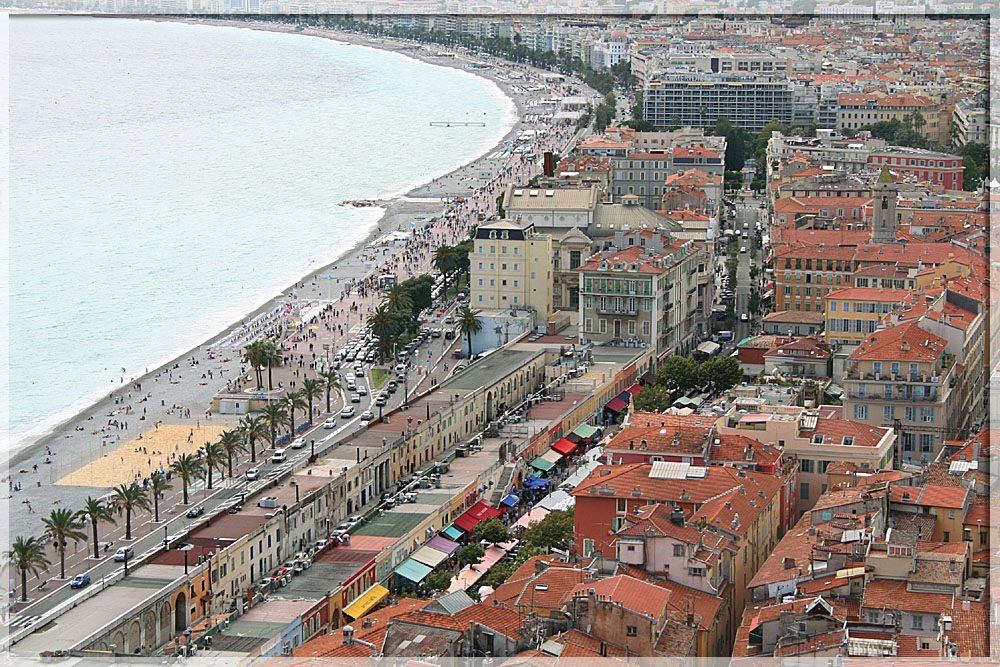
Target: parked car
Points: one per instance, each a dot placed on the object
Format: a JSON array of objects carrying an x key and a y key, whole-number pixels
[
  {"x": 253, "y": 473},
  {"x": 362, "y": 391},
  {"x": 195, "y": 512},
  {"x": 123, "y": 553},
  {"x": 79, "y": 581}
]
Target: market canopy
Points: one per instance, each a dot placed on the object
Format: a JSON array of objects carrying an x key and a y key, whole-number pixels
[
  {"x": 534, "y": 516},
  {"x": 625, "y": 397},
  {"x": 573, "y": 437},
  {"x": 552, "y": 456},
  {"x": 452, "y": 532},
  {"x": 564, "y": 446},
  {"x": 510, "y": 500},
  {"x": 533, "y": 482},
  {"x": 586, "y": 431},
  {"x": 429, "y": 556},
  {"x": 634, "y": 389},
  {"x": 412, "y": 570},
  {"x": 478, "y": 512},
  {"x": 543, "y": 464},
  {"x": 443, "y": 544},
  {"x": 369, "y": 599},
  {"x": 617, "y": 405}
]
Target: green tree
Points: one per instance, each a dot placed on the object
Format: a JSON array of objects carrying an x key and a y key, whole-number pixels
[
  {"x": 253, "y": 354},
  {"x": 188, "y": 467},
  {"x": 720, "y": 374},
  {"x": 27, "y": 555},
  {"x": 275, "y": 416},
  {"x": 383, "y": 325},
  {"x": 469, "y": 323},
  {"x": 64, "y": 525},
  {"x": 677, "y": 374},
  {"x": 213, "y": 458},
  {"x": 439, "y": 580},
  {"x": 94, "y": 511},
  {"x": 553, "y": 532},
  {"x": 470, "y": 554},
  {"x": 492, "y": 530},
  {"x": 498, "y": 574},
  {"x": 273, "y": 359},
  {"x": 158, "y": 485},
  {"x": 131, "y": 497},
  {"x": 971, "y": 179},
  {"x": 253, "y": 429},
  {"x": 331, "y": 381},
  {"x": 311, "y": 390},
  {"x": 231, "y": 443},
  {"x": 399, "y": 298},
  {"x": 653, "y": 398},
  {"x": 294, "y": 400},
  {"x": 444, "y": 261}
]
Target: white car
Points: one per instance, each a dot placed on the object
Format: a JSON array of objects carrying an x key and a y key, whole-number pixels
[
  {"x": 298, "y": 443},
  {"x": 279, "y": 456},
  {"x": 362, "y": 391},
  {"x": 330, "y": 423},
  {"x": 743, "y": 248},
  {"x": 253, "y": 473},
  {"x": 347, "y": 412},
  {"x": 744, "y": 318},
  {"x": 349, "y": 377}
]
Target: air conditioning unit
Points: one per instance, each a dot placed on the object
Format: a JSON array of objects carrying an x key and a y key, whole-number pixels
[{"x": 269, "y": 502}]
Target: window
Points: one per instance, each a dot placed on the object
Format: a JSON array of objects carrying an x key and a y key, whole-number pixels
[
  {"x": 918, "y": 622},
  {"x": 588, "y": 547},
  {"x": 910, "y": 413},
  {"x": 678, "y": 549},
  {"x": 951, "y": 514},
  {"x": 804, "y": 490},
  {"x": 630, "y": 630},
  {"x": 927, "y": 414},
  {"x": 806, "y": 465},
  {"x": 873, "y": 617},
  {"x": 860, "y": 411},
  {"x": 888, "y": 412},
  {"x": 696, "y": 572},
  {"x": 894, "y": 368},
  {"x": 620, "y": 507}
]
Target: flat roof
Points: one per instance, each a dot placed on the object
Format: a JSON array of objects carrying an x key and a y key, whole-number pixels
[
  {"x": 278, "y": 611},
  {"x": 394, "y": 523},
  {"x": 315, "y": 581},
  {"x": 488, "y": 369},
  {"x": 229, "y": 526}
]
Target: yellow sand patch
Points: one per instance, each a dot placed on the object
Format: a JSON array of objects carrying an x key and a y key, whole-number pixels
[{"x": 129, "y": 462}]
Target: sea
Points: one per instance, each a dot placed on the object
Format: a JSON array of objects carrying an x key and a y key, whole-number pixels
[{"x": 166, "y": 179}]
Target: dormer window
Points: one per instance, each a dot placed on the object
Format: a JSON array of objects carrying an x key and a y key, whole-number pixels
[
  {"x": 848, "y": 440},
  {"x": 493, "y": 234},
  {"x": 504, "y": 235}
]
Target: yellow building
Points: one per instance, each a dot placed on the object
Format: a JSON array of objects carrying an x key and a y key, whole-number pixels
[
  {"x": 511, "y": 265},
  {"x": 852, "y": 313}
]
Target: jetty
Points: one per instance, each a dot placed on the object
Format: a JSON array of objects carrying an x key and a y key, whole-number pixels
[{"x": 443, "y": 123}]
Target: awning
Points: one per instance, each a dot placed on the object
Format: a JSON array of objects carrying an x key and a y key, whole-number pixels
[
  {"x": 510, "y": 500},
  {"x": 452, "y": 532},
  {"x": 648, "y": 377},
  {"x": 564, "y": 446},
  {"x": 709, "y": 347},
  {"x": 634, "y": 389},
  {"x": 429, "y": 556},
  {"x": 573, "y": 437},
  {"x": 368, "y": 599},
  {"x": 616, "y": 405},
  {"x": 542, "y": 464},
  {"x": 443, "y": 544},
  {"x": 586, "y": 431},
  {"x": 474, "y": 515},
  {"x": 534, "y": 516},
  {"x": 557, "y": 500},
  {"x": 625, "y": 397},
  {"x": 412, "y": 570},
  {"x": 533, "y": 482},
  {"x": 552, "y": 456}
]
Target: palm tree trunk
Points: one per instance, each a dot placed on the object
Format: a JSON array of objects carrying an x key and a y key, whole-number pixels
[
  {"x": 328, "y": 399},
  {"x": 274, "y": 436},
  {"x": 128, "y": 524},
  {"x": 310, "y": 410},
  {"x": 230, "y": 464},
  {"x": 184, "y": 483},
  {"x": 253, "y": 451},
  {"x": 97, "y": 553},
  {"x": 24, "y": 585},
  {"x": 210, "y": 478},
  {"x": 260, "y": 376},
  {"x": 291, "y": 417},
  {"x": 270, "y": 384},
  {"x": 62, "y": 559},
  {"x": 156, "y": 507}
]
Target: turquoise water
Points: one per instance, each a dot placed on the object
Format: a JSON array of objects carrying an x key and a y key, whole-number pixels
[{"x": 166, "y": 179}]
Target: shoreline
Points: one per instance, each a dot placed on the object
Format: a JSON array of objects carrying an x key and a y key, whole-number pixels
[{"x": 395, "y": 210}]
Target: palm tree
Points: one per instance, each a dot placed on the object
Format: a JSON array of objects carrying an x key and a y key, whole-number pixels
[
  {"x": 64, "y": 524},
  {"x": 295, "y": 401},
  {"x": 444, "y": 261},
  {"x": 27, "y": 555},
  {"x": 330, "y": 381},
  {"x": 252, "y": 429},
  {"x": 382, "y": 324},
  {"x": 399, "y": 299},
  {"x": 187, "y": 467},
  {"x": 231, "y": 443},
  {"x": 253, "y": 354},
  {"x": 311, "y": 390},
  {"x": 158, "y": 484},
  {"x": 95, "y": 510},
  {"x": 469, "y": 323},
  {"x": 275, "y": 416},
  {"x": 213, "y": 459},
  {"x": 272, "y": 357},
  {"x": 131, "y": 497}
]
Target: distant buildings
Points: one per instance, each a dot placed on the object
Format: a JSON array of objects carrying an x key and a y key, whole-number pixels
[{"x": 698, "y": 100}]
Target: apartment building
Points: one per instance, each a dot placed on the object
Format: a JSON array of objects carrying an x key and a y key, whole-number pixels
[
  {"x": 549, "y": 209},
  {"x": 511, "y": 266},
  {"x": 568, "y": 253},
  {"x": 858, "y": 110},
  {"x": 926, "y": 166},
  {"x": 804, "y": 274},
  {"x": 698, "y": 100},
  {"x": 970, "y": 118},
  {"x": 903, "y": 377},
  {"x": 651, "y": 297},
  {"x": 853, "y": 313},
  {"x": 828, "y": 148},
  {"x": 611, "y": 49}
]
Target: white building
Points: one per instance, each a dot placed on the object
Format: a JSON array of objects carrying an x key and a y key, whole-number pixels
[{"x": 611, "y": 49}]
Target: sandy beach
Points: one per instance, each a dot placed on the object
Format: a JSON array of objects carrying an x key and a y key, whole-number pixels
[{"x": 53, "y": 469}]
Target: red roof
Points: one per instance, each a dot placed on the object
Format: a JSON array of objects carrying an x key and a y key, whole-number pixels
[
  {"x": 904, "y": 342},
  {"x": 630, "y": 593}
]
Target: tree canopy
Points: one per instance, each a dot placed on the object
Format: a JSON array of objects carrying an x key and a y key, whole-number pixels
[
  {"x": 492, "y": 530},
  {"x": 553, "y": 532}
]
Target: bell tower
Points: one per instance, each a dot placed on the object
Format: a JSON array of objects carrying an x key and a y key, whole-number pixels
[{"x": 884, "y": 223}]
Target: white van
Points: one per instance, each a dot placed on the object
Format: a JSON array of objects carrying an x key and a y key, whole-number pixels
[{"x": 278, "y": 456}]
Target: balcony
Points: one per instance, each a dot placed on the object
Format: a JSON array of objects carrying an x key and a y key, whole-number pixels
[{"x": 612, "y": 311}]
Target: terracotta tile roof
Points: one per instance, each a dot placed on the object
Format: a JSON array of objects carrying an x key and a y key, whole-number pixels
[
  {"x": 812, "y": 644},
  {"x": 579, "y": 644},
  {"x": 867, "y": 294},
  {"x": 630, "y": 593},
  {"x": 640, "y": 419},
  {"x": 892, "y": 594},
  {"x": 695, "y": 177},
  {"x": 332, "y": 645},
  {"x": 636, "y": 255},
  {"x": 657, "y": 519},
  {"x": 912, "y": 254},
  {"x": 545, "y": 590},
  {"x": 835, "y": 430},
  {"x": 734, "y": 448},
  {"x": 680, "y": 440},
  {"x": 694, "y": 151},
  {"x": 931, "y": 496},
  {"x": 808, "y": 251},
  {"x": 904, "y": 342}
]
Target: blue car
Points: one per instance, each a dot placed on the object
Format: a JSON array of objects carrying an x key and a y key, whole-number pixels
[{"x": 79, "y": 581}]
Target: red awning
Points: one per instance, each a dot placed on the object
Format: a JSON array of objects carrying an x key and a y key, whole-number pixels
[
  {"x": 564, "y": 446},
  {"x": 634, "y": 389},
  {"x": 616, "y": 404},
  {"x": 478, "y": 512}
]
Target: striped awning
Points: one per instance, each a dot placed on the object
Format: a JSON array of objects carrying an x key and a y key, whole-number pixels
[{"x": 368, "y": 599}]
